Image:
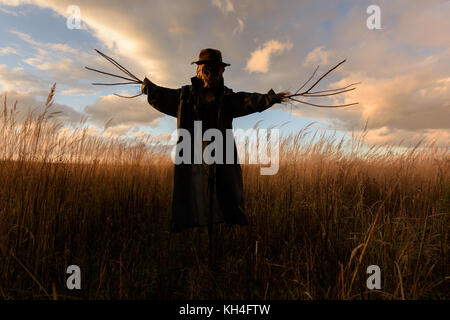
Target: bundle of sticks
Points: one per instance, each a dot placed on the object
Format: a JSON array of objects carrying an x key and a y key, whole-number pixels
[
  {"x": 131, "y": 79},
  {"x": 322, "y": 93}
]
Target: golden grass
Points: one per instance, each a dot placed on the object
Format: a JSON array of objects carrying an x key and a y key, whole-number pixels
[{"x": 333, "y": 209}]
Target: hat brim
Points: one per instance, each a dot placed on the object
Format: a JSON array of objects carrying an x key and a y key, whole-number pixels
[{"x": 208, "y": 61}]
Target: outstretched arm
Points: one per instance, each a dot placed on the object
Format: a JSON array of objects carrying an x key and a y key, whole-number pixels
[
  {"x": 162, "y": 99},
  {"x": 244, "y": 103}
]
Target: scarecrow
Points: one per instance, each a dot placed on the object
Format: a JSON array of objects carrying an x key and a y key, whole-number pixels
[
  {"x": 209, "y": 194},
  {"x": 206, "y": 194}
]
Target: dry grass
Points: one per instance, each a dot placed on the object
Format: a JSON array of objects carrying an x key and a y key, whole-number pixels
[{"x": 333, "y": 209}]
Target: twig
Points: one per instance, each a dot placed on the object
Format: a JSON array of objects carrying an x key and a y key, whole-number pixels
[
  {"x": 321, "y": 93},
  {"x": 128, "y": 97},
  {"x": 306, "y": 81},
  {"x": 134, "y": 79},
  {"x": 112, "y": 84},
  {"x": 331, "y": 90},
  {"x": 325, "y": 106},
  {"x": 110, "y": 74},
  {"x": 118, "y": 65},
  {"x": 327, "y": 94},
  {"x": 315, "y": 83}
]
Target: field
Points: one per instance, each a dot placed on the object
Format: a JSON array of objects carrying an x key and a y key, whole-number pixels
[{"x": 334, "y": 208}]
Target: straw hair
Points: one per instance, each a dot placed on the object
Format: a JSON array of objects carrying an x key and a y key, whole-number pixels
[{"x": 211, "y": 77}]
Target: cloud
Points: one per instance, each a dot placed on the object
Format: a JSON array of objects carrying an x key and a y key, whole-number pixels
[
  {"x": 423, "y": 24},
  {"x": 227, "y": 8},
  {"x": 8, "y": 50},
  {"x": 50, "y": 46},
  {"x": 260, "y": 58},
  {"x": 30, "y": 92},
  {"x": 53, "y": 59},
  {"x": 317, "y": 56},
  {"x": 407, "y": 107},
  {"x": 240, "y": 27},
  {"x": 17, "y": 2},
  {"x": 19, "y": 80},
  {"x": 122, "y": 111},
  {"x": 27, "y": 102},
  {"x": 8, "y": 11},
  {"x": 137, "y": 34},
  {"x": 224, "y": 5},
  {"x": 405, "y": 91},
  {"x": 404, "y": 67}
]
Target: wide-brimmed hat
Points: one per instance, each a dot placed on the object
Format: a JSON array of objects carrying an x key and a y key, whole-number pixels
[{"x": 210, "y": 55}]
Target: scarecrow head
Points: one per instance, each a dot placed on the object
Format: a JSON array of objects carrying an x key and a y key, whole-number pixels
[{"x": 210, "y": 67}]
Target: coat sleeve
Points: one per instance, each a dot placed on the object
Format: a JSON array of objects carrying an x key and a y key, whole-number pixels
[
  {"x": 244, "y": 103},
  {"x": 163, "y": 99}
]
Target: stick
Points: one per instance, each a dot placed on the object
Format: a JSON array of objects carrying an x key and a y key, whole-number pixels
[
  {"x": 134, "y": 79},
  {"x": 130, "y": 97},
  {"x": 306, "y": 81},
  {"x": 315, "y": 83},
  {"x": 325, "y": 106},
  {"x": 110, "y": 74},
  {"x": 112, "y": 84},
  {"x": 114, "y": 63},
  {"x": 327, "y": 94},
  {"x": 331, "y": 90},
  {"x": 118, "y": 65}
]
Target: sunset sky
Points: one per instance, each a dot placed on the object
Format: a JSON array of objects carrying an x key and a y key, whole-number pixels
[{"x": 404, "y": 67}]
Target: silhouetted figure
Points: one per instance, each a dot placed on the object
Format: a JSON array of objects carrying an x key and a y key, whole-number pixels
[{"x": 203, "y": 194}]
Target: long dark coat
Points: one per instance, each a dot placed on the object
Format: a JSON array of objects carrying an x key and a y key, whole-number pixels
[{"x": 193, "y": 182}]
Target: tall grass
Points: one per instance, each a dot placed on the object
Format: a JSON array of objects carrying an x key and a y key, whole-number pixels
[{"x": 334, "y": 208}]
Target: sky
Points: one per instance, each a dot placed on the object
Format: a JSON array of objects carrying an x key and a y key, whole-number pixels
[{"x": 403, "y": 67}]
